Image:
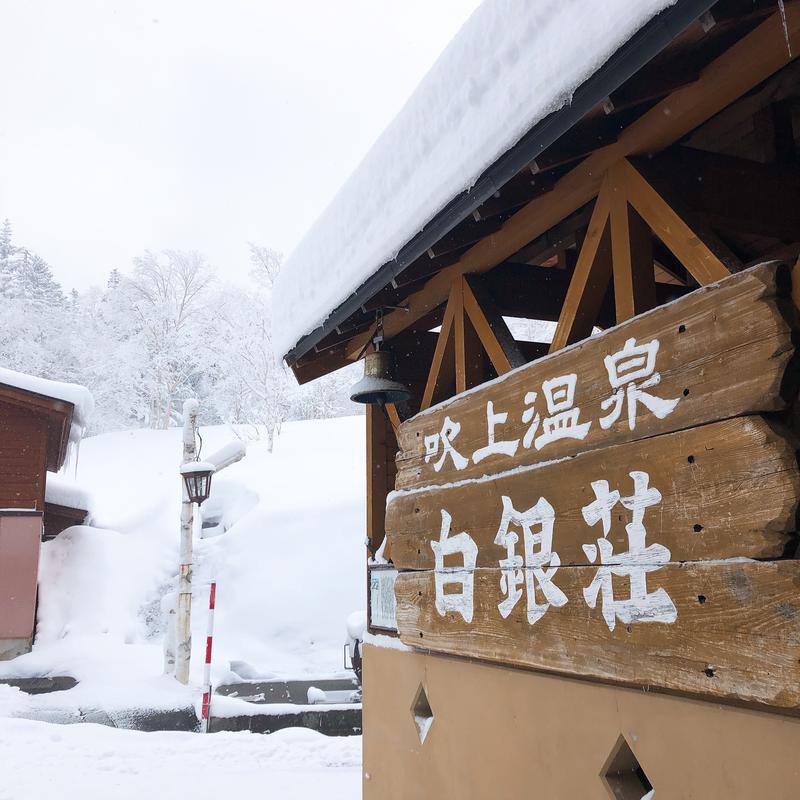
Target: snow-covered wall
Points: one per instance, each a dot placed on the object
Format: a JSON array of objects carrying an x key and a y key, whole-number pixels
[{"x": 513, "y": 63}]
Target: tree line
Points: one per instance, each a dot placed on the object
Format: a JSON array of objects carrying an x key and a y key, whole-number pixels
[{"x": 167, "y": 329}]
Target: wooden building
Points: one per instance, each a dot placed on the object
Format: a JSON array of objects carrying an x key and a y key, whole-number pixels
[
  {"x": 38, "y": 420},
  {"x": 589, "y": 584}
]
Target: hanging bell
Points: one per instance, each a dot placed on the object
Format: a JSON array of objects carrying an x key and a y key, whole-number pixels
[{"x": 377, "y": 385}]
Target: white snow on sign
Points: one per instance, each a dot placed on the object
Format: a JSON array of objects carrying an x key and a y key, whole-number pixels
[{"x": 513, "y": 63}]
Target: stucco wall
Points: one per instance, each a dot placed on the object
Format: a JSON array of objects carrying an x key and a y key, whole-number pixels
[{"x": 506, "y": 733}]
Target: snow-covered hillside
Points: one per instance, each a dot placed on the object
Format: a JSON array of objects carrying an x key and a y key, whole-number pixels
[{"x": 289, "y": 567}]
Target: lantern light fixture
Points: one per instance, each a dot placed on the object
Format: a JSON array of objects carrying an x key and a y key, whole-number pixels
[{"x": 197, "y": 480}]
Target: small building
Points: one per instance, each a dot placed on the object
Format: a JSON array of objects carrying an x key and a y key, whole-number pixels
[
  {"x": 39, "y": 421},
  {"x": 576, "y": 241}
]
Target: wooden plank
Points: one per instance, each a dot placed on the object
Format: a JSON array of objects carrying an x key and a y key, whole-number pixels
[
  {"x": 729, "y": 489},
  {"x": 750, "y": 61},
  {"x": 590, "y": 279},
  {"x": 736, "y": 634},
  {"x": 721, "y": 351}
]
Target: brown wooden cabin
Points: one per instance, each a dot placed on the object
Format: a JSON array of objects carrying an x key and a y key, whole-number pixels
[
  {"x": 674, "y": 175},
  {"x": 34, "y": 438}
]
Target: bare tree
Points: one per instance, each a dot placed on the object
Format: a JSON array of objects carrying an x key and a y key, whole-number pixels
[
  {"x": 265, "y": 263},
  {"x": 168, "y": 293}
]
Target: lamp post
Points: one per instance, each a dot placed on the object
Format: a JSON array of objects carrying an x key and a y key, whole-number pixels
[
  {"x": 183, "y": 622},
  {"x": 196, "y": 484}
]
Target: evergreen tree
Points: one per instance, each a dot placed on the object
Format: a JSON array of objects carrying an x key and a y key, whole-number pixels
[
  {"x": 9, "y": 279},
  {"x": 36, "y": 282},
  {"x": 6, "y": 246}
]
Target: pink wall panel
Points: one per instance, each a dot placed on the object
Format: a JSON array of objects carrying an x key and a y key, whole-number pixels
[{"x": 20, "y": 537}]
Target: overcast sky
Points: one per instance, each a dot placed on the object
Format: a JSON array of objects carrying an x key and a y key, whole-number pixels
[{"x": 196, "y": 124}]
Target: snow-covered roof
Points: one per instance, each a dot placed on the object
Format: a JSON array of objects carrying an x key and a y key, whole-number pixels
[
  {"x": 63, "y": 491},
  {"x": 80, "y": 397},
  {"x": 513, "y": 63}
]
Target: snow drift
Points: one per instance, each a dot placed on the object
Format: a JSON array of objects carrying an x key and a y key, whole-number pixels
[{"x": 286, "y": 549}]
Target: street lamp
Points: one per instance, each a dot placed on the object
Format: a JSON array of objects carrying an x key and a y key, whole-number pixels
[{"x": 197, "y": 480}]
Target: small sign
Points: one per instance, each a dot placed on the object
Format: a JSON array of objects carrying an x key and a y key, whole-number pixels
[{"x": 382, "y": 603}]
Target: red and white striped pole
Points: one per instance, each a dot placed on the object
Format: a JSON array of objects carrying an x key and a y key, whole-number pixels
[{"x": 206, "y": 708}]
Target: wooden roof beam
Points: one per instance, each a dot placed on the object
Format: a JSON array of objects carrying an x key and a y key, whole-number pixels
[
  {"x": 521, "y": 189},
  {"x": 466, "y": 233},
  {"x": 557, "y": 238},
  {"x": 745, "y": 65},
  {"x": 733, "y": 193}
]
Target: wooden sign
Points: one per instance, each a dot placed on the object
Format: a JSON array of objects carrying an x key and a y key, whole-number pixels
[
  {"x": 728, "y": 489},
  {"x": 735, "y": 632},
  {"x": 721, "y": 351},
  {"x": 649, "y": 540}
]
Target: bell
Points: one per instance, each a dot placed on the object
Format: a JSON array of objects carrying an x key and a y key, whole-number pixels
[{"x": 377, "y": 385}]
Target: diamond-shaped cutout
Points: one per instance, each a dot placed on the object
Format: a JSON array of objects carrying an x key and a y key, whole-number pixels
[
  {"x": 422, "y": 713},
  {"x": 624, "y": 776}
]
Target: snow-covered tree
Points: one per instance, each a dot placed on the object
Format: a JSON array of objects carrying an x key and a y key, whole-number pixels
[
  {"x": 168, "y": 292},
  {"x": 265, "y": 263},
  {"x": 24, "y": 274},
  {"x": 9, "y": 283},
  {"x": 252, "y": 386},
  {"x": 151, "y": 338}
]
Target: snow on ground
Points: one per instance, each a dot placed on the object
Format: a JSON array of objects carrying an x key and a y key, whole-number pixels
[
  {"x": 84, "y": 762},
  {"x": 513, "y": 63},
  {"x": 289, "y": 569}
]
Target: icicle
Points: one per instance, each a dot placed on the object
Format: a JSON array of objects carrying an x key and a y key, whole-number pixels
[
  {"x": 77, "y": 455},
  {"x": 782, "y": 7}
]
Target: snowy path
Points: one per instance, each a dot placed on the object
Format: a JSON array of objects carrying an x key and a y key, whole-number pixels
[{"x": 94, "y": 762}]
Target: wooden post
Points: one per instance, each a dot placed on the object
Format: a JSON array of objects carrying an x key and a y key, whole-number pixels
[
  {"x": 443, "y": 364},
  {"x": 632, "y": 255},
  {"x": 381, "y": 473},
  {"x": 378, "y": 479},
  {"x": 184, "y": 616},
  {"x": 461, "y": 340},
  {"x": 590, "y": 279}
]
